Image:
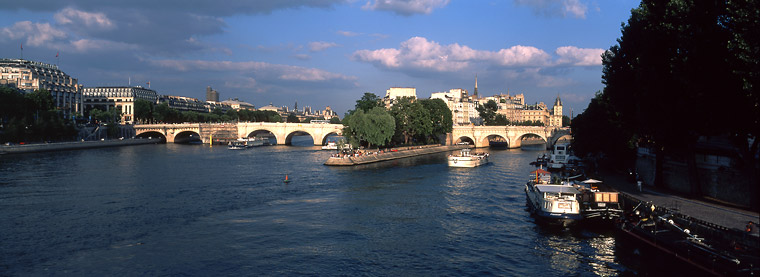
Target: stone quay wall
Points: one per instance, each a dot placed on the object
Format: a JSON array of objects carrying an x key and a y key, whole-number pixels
[{"x": 59, "y": 146}]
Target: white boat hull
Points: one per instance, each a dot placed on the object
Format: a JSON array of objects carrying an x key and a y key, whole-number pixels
[
  {"x": 547, "y": 205},
  {"x": 471, "y": 161}
]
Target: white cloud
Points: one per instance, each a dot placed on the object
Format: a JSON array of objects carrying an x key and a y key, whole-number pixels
[
  {"x": 571, "y": 55},
  {"x": 316, "y": 46},
  {"x": 36, "y": 34},
  {"x": 563, "y": 8},
  {"x": 348, "y": 33},
  {"x": 574, "y": 7},
  {"x": 418, "y": 53},
  {"x": 406, "y": 7},
  {"x": 241, "y": 82},
  {"x": 262, "y": 69},
  {"x": 302, "y": 57},
  {"x": 97, "y": 21},
  {"x": 97, "y": 45}
]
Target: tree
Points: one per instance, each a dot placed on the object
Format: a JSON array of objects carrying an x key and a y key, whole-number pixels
[
  {"x": 412, "y": 119},
  {"x": 440, "y": 116},
  {"x": 600, "y": 118},
  {"x": 566, "y": 121},
  {"x": 500, "y": 120},
  {"x": 335, "y": 120},
  {"x": 487, "y": 112},
  {"x": 666, "y": 91},
  {"x": 292, "y": 118},
  {"x": 143, "y": 110},
  {"x": 375, "y": 127},
  {"x": 11, "y": 104},
  {"x": 232, "y": 114},
  {"x": 368, "y": 101},
  {"x": 162, "y": 113}
]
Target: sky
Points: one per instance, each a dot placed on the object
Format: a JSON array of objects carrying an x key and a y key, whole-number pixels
[{"x": 323, "y": 53}]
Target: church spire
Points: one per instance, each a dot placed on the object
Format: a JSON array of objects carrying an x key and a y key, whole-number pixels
[{"x": 475, "y": 93}]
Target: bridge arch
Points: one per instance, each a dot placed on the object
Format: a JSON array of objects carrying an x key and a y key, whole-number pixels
[
  {"x": 151, "y": 134},
  {"x": 263, "y": 132},
  {"x": 186, "y": 136},
  {"x": 289, "y": 137},
  {"x": 465, "y": 138},
  {"x": 486, "y": 140},
  {"x": 567, "y": 137},
  {"x": 519, "y": 141},
  {"x": 324, "y": 138}
]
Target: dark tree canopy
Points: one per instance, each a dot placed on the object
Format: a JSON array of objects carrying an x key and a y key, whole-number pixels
[
  {"x": 376, "y": 127},
  {"x": 412, "y": 120},
  {"x": 682, "y": 69},
  {"x": 440, "y": 116},
  {"x": 489, "y": 113},
  {"x": 292, "y": 118},
  {"x": 367, "y": 102},
  {"x": 31, "y": 117}
]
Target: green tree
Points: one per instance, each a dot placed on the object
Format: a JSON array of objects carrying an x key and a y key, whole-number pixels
[
  {"x": 375, "y": 127},
  {"x": 440, "y": 116},
  {"x": 566, "y": 121},
  {"x": 292, "y": 118},
  {"x": 500, "y": 120},
  {"x": 488, "y": 113},
  {"x": 412, "y": 120},
  {"x": 666, "y": 91},
  {"x": 600, "y": 118},
  {"x": 11, "y": 104},
  {"x": 368, "y": 101},
  {"x": 335, "y": 120},
  {"x": 143, "y": 110},
  {"x": 40, "y": 100},
  {"x": 232, "y": 115}
]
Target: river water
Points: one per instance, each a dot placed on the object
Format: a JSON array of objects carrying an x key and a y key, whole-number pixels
[{"x": 171, "y": 209}]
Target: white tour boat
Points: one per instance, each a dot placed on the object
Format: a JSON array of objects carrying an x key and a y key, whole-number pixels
[
  {"x": 331, "y": 145},
  {"x": 552, "y": 203},
  {"x": 559, "y": 156},
  {"x": 236, "y": 145},
  {"x": 467, "y": 159}
]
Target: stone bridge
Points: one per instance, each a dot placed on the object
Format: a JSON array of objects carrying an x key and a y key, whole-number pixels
[
  {"x": 222, "y": 132},
  {"x": 513, "y": 135}
]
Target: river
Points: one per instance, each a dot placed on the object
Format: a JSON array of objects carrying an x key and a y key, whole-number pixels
[{"x": 171, "y": 209}]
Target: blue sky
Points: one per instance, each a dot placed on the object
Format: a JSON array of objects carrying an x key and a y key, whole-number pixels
[{"x": 323, "y": 52}]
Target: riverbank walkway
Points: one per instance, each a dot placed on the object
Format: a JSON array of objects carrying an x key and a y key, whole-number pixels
[
  {"x": 364, "y": 157},
  {"x": 702, "y": 209}
]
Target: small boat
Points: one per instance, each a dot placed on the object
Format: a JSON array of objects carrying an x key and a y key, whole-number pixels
[
  {"x": 541, "y": 160},
  {"x": 236, "y": 145},
  {"x": 598, "y": 202},
  {"x": 254, "y": 141},
  {"x": 467, "y": 159},
  {"x": 556, "y": 204},
  {"x": 331, "y": 145}
]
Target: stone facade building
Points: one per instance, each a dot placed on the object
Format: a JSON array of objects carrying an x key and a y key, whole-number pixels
[
  {"x": 29, "y": 76},
  {"x": 121, "y": 98}
]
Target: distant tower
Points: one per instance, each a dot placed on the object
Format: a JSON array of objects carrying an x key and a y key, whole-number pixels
[
  {"x": 475, "y": 93},
  {"x": 295, "y": 108},
  {"x": 211, "y": 95},
  {"x": 558, "y": 106}
]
